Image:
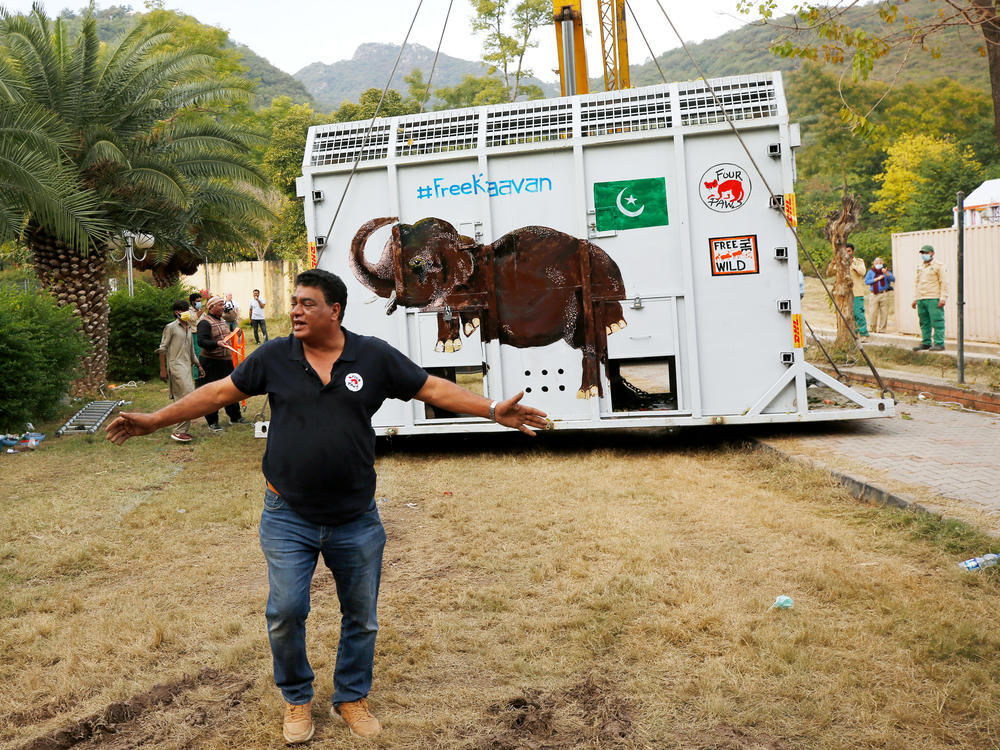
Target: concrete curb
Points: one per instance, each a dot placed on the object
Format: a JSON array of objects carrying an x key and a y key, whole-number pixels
[
  {"x": 973, "y": 398},
  {"x": 987, "y": 350},
  {"x": 858, "y": 488}
]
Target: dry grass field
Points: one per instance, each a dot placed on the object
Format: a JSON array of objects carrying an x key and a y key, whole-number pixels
[{"x": 595, "y": 591}]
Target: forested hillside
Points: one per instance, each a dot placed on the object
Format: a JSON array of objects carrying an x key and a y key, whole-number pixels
[
  {"x": 332, "y": 84},
  {"x": 953, "y": 54},
  {"x": 244, "y": 62}
]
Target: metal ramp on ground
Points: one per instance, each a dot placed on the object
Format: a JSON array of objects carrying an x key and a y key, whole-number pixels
[{"x": 90, "y": 417}]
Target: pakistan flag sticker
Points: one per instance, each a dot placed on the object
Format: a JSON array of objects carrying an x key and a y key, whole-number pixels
[{"x": 631, "y": 204}]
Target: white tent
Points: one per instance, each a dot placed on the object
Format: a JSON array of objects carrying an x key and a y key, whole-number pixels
[{"x": 982, "y": 205}]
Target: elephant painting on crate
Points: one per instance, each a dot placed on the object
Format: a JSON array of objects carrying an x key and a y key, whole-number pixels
[{"x": 531, "y": 287}]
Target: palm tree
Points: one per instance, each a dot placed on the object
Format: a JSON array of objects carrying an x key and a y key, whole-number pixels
[
  {"x": 34, "y": 179},
  {"x": 141, "y": 140}
]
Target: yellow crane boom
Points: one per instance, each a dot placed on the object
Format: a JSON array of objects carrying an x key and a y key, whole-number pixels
[
  {"x": 568, "y": 19},
  {"x": 614, "y": 44},
  {"x": 569, "y": 42}
]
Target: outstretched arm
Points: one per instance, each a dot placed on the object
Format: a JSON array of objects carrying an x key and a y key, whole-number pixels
[
  {"x": 198, "y": 403},
  {"x": 510, "y": 413}
]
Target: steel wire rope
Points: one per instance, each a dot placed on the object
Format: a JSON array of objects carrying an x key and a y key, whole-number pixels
[
  {"x": 772, "y": 194},
  {"x": 367, "y": 135},
  {"x": 427, "y": 91},
  {"x": 819, "y": 343},
  {"x": 643, "y": 35}
]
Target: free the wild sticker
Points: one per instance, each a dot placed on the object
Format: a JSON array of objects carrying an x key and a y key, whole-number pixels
[{"x": 734, "y": 255}]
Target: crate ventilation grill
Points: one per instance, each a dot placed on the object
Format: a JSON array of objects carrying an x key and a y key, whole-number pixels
[
  {"x": 612, "y": 113},
  {"x": 340, "y": 144},
  {"x": 434, "y": 134}
]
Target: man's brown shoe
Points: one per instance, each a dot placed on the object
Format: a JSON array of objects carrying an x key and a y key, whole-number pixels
[
  {"x": 359, "y": 719},
  {"x": 298, "y": 724}
]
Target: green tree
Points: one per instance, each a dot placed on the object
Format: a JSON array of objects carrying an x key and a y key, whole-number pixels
[
  {"x": 943, "y": 109},
  {"x": 509, "y": 29},
  {"x": 140, "y": 141},
  {"x": 36, "y": 181},
  {"x": 282, "y": 163},
  {"x": 419, "y": 89},
  {"x": 827, "y": 32},
  {"x": 364, "y": 109},
  {"x": 921, "y": 176},
  {"x": 472, "y": 92}
]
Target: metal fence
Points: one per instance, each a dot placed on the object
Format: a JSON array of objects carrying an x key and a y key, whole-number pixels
[{"x": 982, "y": 279}]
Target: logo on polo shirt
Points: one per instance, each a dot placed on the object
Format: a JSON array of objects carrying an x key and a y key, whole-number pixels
[{"x": 354, "y": 382}]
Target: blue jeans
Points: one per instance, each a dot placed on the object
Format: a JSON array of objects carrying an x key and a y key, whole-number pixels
[{"x": 353, "y": 553}]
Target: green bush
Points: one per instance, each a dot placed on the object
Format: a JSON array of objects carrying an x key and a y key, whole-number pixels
[
  {"x": 136, "y": 325},
  {"x": 40, "y": 348}
]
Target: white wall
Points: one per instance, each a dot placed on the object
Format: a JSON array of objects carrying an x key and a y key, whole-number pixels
[
  {"x": 273, "y": 279},
  {"x": 982, "y": 279}
]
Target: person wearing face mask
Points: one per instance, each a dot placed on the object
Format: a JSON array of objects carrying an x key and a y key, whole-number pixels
[
  {"x": 195, "y": 299},
  {"x": 216, "y": 359},
  {"x": 929, "y": 299},
  {"x": 880, "y": 280},
  {"x": 177, "y": 358}
]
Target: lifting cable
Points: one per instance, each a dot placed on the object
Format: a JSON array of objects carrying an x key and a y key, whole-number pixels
[
  {"x": 427, "y": 91},
  {"x": 368, "y": 132},
  {"x": 885, "y": 392},
  {"x": 643, "y": 35}
]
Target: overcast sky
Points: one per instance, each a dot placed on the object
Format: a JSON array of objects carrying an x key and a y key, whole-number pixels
[{"x": 293, "y": 33}]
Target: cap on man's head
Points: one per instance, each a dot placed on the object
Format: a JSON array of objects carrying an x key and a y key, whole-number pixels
[
  {"x": 927, "y": 249},
  {"x": 214, "y": 300}
]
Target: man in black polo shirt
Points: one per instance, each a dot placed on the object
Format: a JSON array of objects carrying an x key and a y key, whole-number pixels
[{"x": 324, "y": 383}]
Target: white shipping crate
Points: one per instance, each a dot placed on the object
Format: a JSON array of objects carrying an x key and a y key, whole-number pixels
[{"x": 617, "y": 256}]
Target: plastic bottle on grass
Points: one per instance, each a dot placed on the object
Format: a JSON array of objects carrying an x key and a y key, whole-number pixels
[{"x": 978, "y": 563}]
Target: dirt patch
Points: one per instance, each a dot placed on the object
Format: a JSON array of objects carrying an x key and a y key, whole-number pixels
[
  {"x": 141, "y": 721},
  {"x": 38, "y": 714},
  {"x": 590, "y": 714},
  {"x": 180, "y": 456}
]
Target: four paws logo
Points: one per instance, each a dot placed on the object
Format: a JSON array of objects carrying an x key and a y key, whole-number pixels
[
  {"x": 724, "y": 187},
  {"x": 354, "y": 382}
]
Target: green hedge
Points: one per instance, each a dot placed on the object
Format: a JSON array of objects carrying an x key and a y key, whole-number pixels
[
  {"x": 136, "y": 325},
  {"x": 40, "y": 348}
]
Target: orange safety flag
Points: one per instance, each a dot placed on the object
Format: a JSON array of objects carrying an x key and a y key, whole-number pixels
[{"x": 236, "y": 343}]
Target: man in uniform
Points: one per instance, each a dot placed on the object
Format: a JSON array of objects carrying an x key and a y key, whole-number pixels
[
  {"x": 929, "y": 299},
  {"x": 858, "y": 271},
  {"x": 177, "y": 358},
  {"x": 324, "y": 384}
]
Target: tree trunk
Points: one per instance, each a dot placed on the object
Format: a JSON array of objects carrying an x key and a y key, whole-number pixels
[
  {"x": 167, "y": 272},
  {"x": 839, "y": 226},
  {"x": 164, "y": 276},
  {"x": 990, "y": 28},
  {"x": 81, "y": 282}
]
